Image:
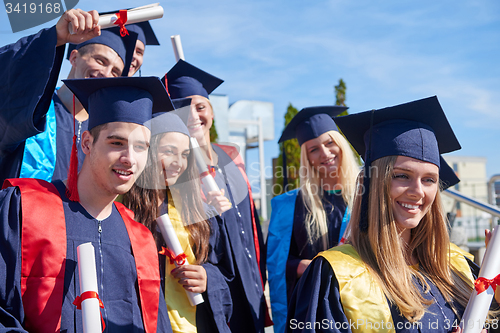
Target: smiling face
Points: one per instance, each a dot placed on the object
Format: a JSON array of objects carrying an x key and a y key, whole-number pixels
[
  {"x": 324, "y": 155},
  {"x": 117, "y": 157},
  {"x": 95, "y": 60},
  {"x": 137, "y": 58},
  {"x": 200, "y": 118},
  {"x": 173, "y": 154},
  {"x": 413, "y": 189}
]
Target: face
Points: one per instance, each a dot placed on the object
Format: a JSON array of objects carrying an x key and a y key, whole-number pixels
[
  {"x": 324, "y": 155},
  {"x": 173, "y": 153},
  {"x": 137, "y": 58},
  {"x": 99, "y": 61},
  {"x": 118, "y": 156},
  {"x": 413, "y": 189},
  {"x": 201, "y": 118}
]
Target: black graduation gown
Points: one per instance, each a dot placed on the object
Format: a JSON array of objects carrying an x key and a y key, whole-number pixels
[
  {"x": 316, "y": 301},
  {"x": 246, "y": 287},
  {"x": 300, "y": 248},
  {"x": 27, "y": 84},
  {"x": 115, "y": 266}
]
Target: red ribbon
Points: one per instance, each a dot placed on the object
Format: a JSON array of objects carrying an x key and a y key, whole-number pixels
[
  {"x": 86, "y": 295},
  {"x": 121, "y": 19},
  {"x": 481, "y": 284},
  {"x": 180, "y": 259}
]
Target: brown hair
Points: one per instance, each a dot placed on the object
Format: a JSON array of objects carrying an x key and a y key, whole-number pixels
[
  {"x": 384, "y": 252},
  {"x": 147, "y": 194}
]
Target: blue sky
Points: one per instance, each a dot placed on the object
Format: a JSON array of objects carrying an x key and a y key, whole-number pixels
[{"x": 387, "y": 52}]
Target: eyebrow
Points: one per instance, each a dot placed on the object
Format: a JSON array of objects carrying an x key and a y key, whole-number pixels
[
  {"x": 117, "y": 137},
  {"x": 409, "y": 170}
]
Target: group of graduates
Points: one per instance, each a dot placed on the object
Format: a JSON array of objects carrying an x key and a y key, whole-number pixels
[{"x": 101, "y": 158}]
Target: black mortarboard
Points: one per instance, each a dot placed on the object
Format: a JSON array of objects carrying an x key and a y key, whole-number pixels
[
  {"x": 185, "y": 80},
  {"x": 123, "y": 46},
  {"x": 122, "y": 99},
  {"x": 417, "y": 129},
  {"x": 311, "y": 122},
  {"x": 165, "y": 122},
  {"x": 447, "y": 175}
]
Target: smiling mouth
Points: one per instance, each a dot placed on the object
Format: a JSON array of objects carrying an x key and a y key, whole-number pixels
[
  {"x": 194, "y": 126},
  {"x": 123, "y": 172},
  {"x": 329, "y": 161},
  {"x": 409, "y": 206}
]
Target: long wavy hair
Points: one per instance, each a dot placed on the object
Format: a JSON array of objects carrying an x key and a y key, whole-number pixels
[
  {"x": 149, "y": 192},
  {"x": 312, "y": 191},
  {"x": 385, "y": 253}
]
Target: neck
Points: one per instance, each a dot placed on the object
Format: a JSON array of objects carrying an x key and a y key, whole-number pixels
[
  {"x": 331, "y": 184},
  {"x": 66, "y": 97},
  {"x": 96, "y": 202},
  {"x": 208, "y": 152}
]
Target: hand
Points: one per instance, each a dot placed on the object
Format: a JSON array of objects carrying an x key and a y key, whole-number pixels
[
  {"x": 303, "y": 264},
  {"x": 192, "y": 277},
  {"x": 219, "y": 201},
  {"x": 84, "y": 26}
]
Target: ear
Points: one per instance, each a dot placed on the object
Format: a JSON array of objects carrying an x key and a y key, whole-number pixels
[
  {"x": 86, "y": 142},
  {"x": 72, "y": 57}
]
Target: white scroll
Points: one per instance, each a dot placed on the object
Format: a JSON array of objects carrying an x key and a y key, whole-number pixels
[
  {"x": 177, "y": 45},
  {"x": 207, "y": 181},
  {"x": 477, "y": 309},
  {"x": 173, "y": 244},
  {"x": 91, "y": 314},
  {"x": 134, "y": 15}
]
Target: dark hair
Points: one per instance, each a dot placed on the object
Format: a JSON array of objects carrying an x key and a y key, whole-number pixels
[
  {"x": 145, "y": 195},
  {"x": 96, "y": 131}
]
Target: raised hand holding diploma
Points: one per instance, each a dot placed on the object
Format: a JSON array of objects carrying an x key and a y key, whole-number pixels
[
  {"x": 134, "y": 15},
  {"x": 173, "y": 245},
  {"x": 89, "y": 299},
  {"x": 489, "y": 279}
]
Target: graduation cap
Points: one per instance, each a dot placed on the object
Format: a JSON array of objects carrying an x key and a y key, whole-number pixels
[
  {"x": 308, "y": 124},
  {"x": 447, "y": 175},
  {"x": 166, "y": 122},
  {"x": 311, "y": 122},
  {"x": 123, "y": 46},
  {"x": 417, "y": 129},
  {"x": 107, "y": 100},
  {"x": 185, "y": 80}
]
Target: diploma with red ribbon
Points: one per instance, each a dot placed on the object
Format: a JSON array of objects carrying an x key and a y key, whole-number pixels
[
  {"x": 88, "y": 301},
  {"x": 123, "y": 17},
  {"x": 484, "y": 287},
  {"x": 175, "y": 252}
]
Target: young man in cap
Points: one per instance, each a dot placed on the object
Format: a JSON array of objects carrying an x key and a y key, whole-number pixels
[
  {"x": 37, "y": 123},
  {"x": 43, "y": 223}
]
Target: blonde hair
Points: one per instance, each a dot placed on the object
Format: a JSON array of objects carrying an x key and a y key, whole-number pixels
[
  {"x": 384, "y": 252},
  {"x": 312, "y": 192}
]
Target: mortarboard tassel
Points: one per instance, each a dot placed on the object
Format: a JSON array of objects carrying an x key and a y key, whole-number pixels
[{"x": 72, "y": 186}]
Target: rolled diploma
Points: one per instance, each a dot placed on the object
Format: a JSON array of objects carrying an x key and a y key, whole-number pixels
[
  {"x": 479, "y": 304},
  {"x": 207, "y": 181},
  {"x": 136, "y": 15},
  {"x": 177, "y": 45},
  {"x": 91, "y": 315},
  {"x": 170, "y": 237}
]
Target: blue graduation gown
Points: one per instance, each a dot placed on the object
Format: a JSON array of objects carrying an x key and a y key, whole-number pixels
[
  {"x": 316, "y": 301},
  {"x": 214, "y": 313},
  {"x": 287, "y": 244},
  {"x": 246, "y": 287},
  {"x": 115, "y": 266},
  {"x": 28, "y": 83}
]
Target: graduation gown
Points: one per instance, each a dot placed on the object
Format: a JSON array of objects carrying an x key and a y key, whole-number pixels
[
  {"x": 249, "y": 304},
  {"x": 316, "y": 304},
  {"x": 35, "y": 127},
  {"x": 214, "y": 313},
  {"x": 287, "y": 244},
  {"x": 115, "y": 266}
]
